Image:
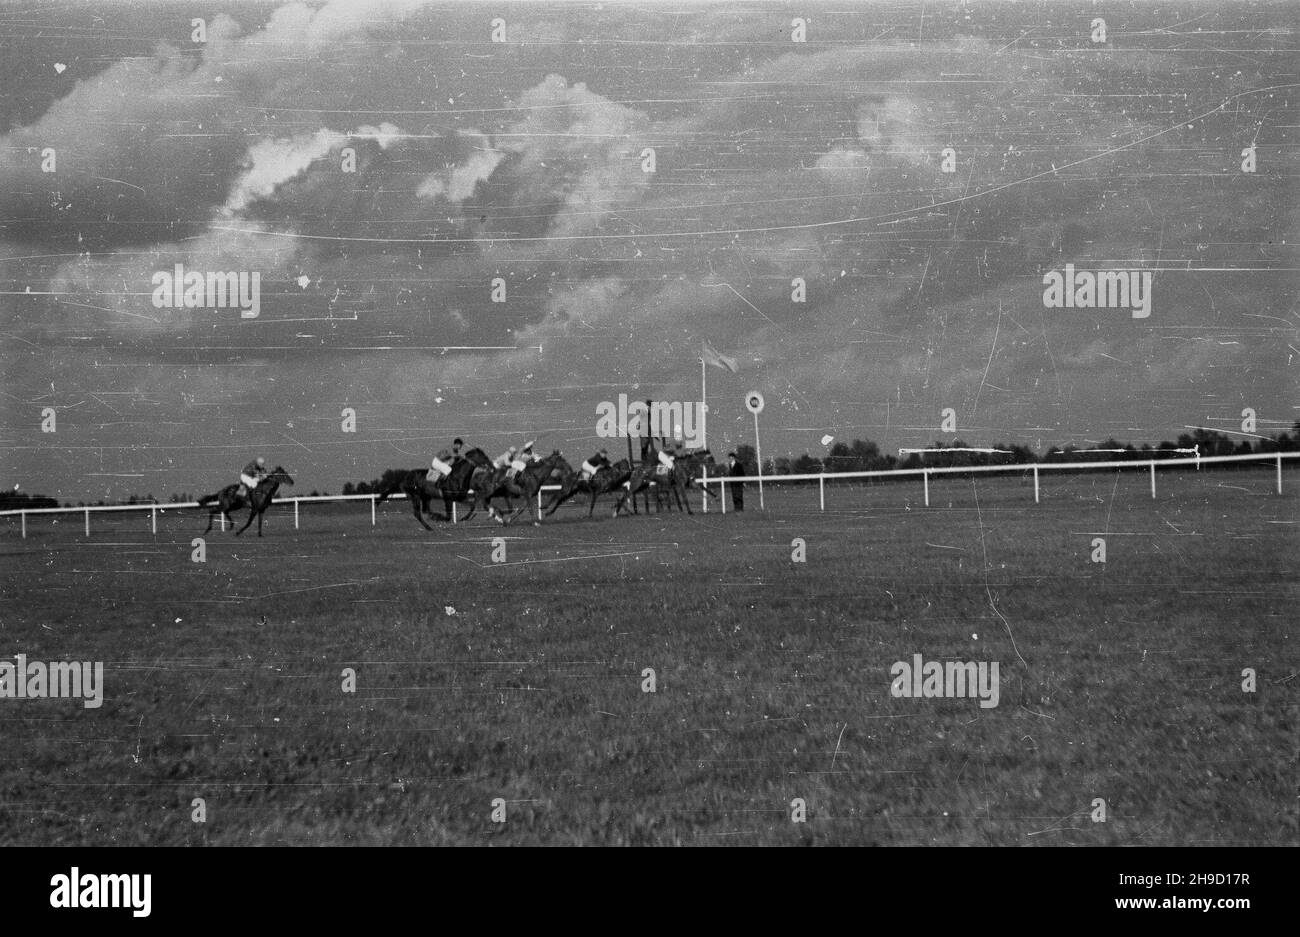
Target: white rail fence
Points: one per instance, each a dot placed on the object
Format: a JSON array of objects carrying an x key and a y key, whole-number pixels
[
  {"x": 1017, "y": 468},
  {"x": 821, "y": 478}
]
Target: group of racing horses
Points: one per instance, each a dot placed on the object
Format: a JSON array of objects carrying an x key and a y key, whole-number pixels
[{"x": 475, "y": 480}]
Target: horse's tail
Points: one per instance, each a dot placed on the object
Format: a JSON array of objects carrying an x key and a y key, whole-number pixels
[{"x": 208, "y": 499}]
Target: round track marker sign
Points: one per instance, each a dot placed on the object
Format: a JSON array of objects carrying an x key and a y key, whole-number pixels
[{"x": 754, "y": 404}]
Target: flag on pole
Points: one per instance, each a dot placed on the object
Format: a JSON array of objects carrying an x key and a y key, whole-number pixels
[{"x": 711, "y": 356}]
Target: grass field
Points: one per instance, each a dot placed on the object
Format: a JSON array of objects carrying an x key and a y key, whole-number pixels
[{"x": 522, "y": 680}]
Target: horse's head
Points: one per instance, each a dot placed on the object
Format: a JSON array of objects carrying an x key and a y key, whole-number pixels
[
  {"x": 280, "y": 476},
  {"x": 702, "y": 459},
  {"x": 476, "y": 456},
  {"x": 554, "y": 464}
]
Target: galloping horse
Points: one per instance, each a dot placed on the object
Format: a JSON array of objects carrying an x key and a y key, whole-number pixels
[
  {"x": 652, "y": 473},
  {"x": 419, "y": 490},
  {"x": 607, "y": 478},
  {"x": 526, "y": 484},
  {"x": 257, "y": 501},
  {"x": 695, "y": 465},
  {"x": 675, "y": 482}
]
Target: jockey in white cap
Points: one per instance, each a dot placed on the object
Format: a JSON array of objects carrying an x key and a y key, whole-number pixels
[
  {"x": 252, "y": 475},
  {"x": 667, "y": 456},
  {"x": 521, "y": 460}
]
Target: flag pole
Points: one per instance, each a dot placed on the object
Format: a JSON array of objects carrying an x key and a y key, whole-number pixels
[{"x": 704, "y": 404}]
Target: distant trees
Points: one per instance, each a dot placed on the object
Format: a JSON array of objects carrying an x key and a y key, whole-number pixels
[
  {"x": 863, "y": 455},
  {"x": 20, "y": 501}
]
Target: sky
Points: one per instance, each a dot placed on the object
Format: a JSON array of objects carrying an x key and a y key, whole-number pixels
[{"x": 385, "y": 167}]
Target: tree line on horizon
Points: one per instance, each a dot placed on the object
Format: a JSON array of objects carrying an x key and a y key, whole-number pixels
[
  {"x": 860, "y": 455},
  {"x": 865, "y": 456}
]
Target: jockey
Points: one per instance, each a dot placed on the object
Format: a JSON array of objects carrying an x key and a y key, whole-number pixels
[
  {"x": 521, "y": 460},
  {"x": 455, "y": 451},
  {"x": 667, "y": 455},
  {"x": 594, "y": 464},
  {"x": 505, "y": 459},
  {"x": 251, "y": 476},
  {"x": 441, "y": 464}
]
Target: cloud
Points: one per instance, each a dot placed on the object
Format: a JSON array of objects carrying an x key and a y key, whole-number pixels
[
  {"x": 845, "y": 165},
  {"x": 157, "y": 142},
  {"x": 579, "y": 148},
  {"x": 271, "y": 163},
  {"x": 459, "y": 182}
]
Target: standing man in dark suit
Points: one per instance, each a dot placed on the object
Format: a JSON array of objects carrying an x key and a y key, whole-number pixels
[{"x": 736, "y": 470}]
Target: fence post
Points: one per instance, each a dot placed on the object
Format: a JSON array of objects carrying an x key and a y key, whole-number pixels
[
  {"x": 295, "y": 513},
  {"x": 153, "y": 518},
  {"x": 24, "y": 517},
  {"x": 455, "y": 514},
  {"x": 221, "y": 515},
  {"x": 1035, "y": 484},
  {"x": 1279, "y": 473},
  {"x": 925, "y": 476},
  {"x": 821, "y": 490},
  {"x": 87, "y": 522},
  {"x": 372, "y": 510},
  {"x": 722, "y": 494},
  {"x": 704, "y": 489},
  {"x": 1153, "y": 478}
]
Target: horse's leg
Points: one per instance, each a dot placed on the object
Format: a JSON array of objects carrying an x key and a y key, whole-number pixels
[
  {"x": 211, "y": 514},
  {"x": 415, "y": 509},
  {"x": 492, "y": 512},
  {"x": 564, "y": 494},
  {"x": 446, "y": 508},
  {"x": 535, "y": 502},
  {"x": 519, "y": 491},
  {"x": 259, "y": 522},
  {"x": 251, "y": 511},
  {"x": 627, "y": 494}
]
